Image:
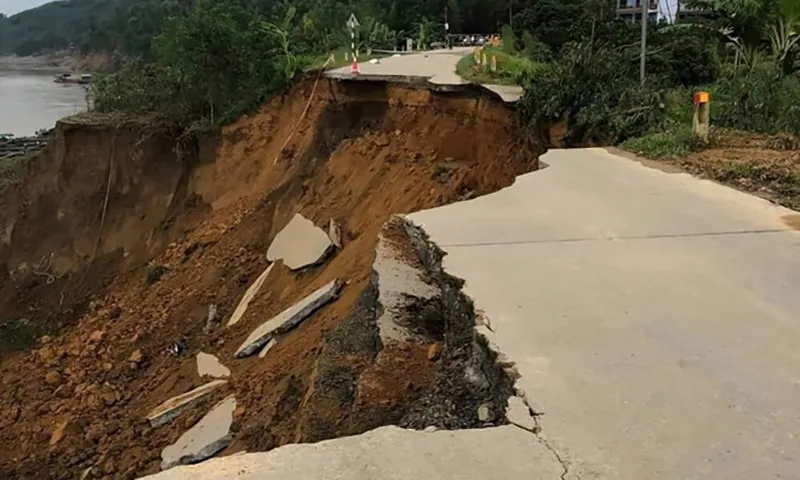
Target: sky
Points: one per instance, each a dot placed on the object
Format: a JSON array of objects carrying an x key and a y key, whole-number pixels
[{"x": 10, "y": 7}]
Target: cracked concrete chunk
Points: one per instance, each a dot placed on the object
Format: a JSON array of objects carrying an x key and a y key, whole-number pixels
[
  {"x": 519, "y": 414},
  {"x": 209, "y": 365},
  {"x": 267, "y": 348},
  {"x": 248, "y": 296},
  {"x": 167, "y": 411},
  {"x": 300, "y": 244},
  {"x": 504, "y": 452},
  {"x": 205, "y": 439},
  {"x": 400, "y": 283},
  {"x": 335, "y": 233},
  {"x": 289, "y": 318}
]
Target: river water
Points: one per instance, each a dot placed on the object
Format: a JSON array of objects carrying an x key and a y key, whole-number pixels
[{"x": 30, "y": 100}]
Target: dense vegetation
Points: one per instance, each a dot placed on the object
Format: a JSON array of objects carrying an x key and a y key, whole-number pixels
[
  {"x": 199, "y": 63},
  {"x": 745, "y": 52}
]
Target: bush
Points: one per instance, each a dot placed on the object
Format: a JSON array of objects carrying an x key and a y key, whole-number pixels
[
  {"x": 597, "y": 91},
  {"x": 208, "y": 67},
  {"x": 761, "y": 100},
  {"x": 509, "y": 40},
  {"x": 683, "y": 57},
  {"x": 154, "y": 273},
  {"x": 534, "y": 49}
]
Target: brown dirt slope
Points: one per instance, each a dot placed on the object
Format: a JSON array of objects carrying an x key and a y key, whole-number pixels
[{"x": 363, "y": 152}]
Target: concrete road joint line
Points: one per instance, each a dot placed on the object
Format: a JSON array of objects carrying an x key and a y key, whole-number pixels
[{"x": 612, "y": 239}]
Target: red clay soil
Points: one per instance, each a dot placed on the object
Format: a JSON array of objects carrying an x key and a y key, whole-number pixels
[{"x": 78, "y": 400}]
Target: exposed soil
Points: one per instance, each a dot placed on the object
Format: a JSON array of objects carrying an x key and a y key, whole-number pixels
[
  {"x": 363, "y": 152},
  {"x": 765, "y": 165}
]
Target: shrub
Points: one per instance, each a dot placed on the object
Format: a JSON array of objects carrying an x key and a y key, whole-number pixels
[
  {"x": 761, "y": 100},
  {"x": 208, "y": 67},
  {"x": 509, "y": 40},
  {"x": 154, "y": 273},
  {"x": 597, "y": 91}
]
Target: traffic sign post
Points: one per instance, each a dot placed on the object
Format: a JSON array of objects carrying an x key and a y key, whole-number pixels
[{"x": 352, "y": 24}]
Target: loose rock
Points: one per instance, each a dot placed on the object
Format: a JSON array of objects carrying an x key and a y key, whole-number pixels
[
  {"x": 52, "y": 378},
  {"x": 434, "y": 352}
]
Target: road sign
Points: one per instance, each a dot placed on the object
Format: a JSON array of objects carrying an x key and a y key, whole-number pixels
[{"x": 352, "y": 22}]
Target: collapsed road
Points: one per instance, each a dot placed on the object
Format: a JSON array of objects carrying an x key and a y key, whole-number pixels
[{"x": 596, "y": 319}]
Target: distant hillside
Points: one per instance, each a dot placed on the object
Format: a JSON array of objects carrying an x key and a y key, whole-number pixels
[{"x": 85, "y": 25}]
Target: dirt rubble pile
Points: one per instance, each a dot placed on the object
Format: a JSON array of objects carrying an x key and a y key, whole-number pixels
[{"x": 185, "y": 234}]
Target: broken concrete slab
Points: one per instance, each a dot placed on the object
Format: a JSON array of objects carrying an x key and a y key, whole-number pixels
[
  {"x": 300, "y": 244},
  {"x": 289, "y": 318},
  {"x": 205, "y": 439},
  {"x": 400, "y": 283},
  {"x": 248, "y": 296},
  {"x": 520, "y": 415},
  {"x": 267, "y": 348},
  {"x": 169, "y": 410},
  {"x": 390, "y": 453},
  {"x": 209, "y": 365}
]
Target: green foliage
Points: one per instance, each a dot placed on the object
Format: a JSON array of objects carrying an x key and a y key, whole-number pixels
[
  {"x": 511, "y": 69},
  {"x": 666, "y": 144},
  {"x": 154, "y": 273},
  {"x": 683, "y": 57},
  {"x": 208, "y": 67},
  {"x": 534, "y": 49},
  {"x": 761, "y": 100},
  {"x": 509, "y": 40},
  {"x": 597, "y": 91}
]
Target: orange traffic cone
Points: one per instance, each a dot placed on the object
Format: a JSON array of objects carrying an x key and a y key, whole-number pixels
[{"x": 354, "y": 66}]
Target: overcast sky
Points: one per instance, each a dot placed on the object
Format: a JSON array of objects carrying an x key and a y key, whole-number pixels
[{"x": 10, "y": 7}]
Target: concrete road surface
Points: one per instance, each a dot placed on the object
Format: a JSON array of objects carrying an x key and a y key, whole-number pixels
[
  {"x": 654, "y": 317},
  {"x": 438, "y": 67},
  {"x": 391, "y": 453}
]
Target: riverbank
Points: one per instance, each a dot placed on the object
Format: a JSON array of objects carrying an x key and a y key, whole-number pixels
[{"x": 62, "y": 62}]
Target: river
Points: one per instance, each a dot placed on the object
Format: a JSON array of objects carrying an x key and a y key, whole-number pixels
[{"x": 30, "y": 100}]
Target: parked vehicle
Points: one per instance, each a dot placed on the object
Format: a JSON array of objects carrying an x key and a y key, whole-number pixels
[{"x": 84, "y": 79}]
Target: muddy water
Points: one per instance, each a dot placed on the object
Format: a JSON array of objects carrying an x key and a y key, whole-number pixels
[{"x": 30, "y": 101}]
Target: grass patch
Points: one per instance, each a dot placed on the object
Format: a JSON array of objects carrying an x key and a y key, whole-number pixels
[
  {"x": 664, "y": 145},
  {"x": 511, "y": 69},
  {"x": 154, "y": 273}
]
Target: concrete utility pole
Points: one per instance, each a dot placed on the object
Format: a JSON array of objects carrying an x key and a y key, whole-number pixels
[{"x": 643, "y": 61}]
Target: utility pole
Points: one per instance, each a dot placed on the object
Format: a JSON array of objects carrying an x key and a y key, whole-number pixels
[
  {"x": 510, "y": 15},
  {"x": 642, "y": 60},
  {"x": 447, "y": 30}
]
